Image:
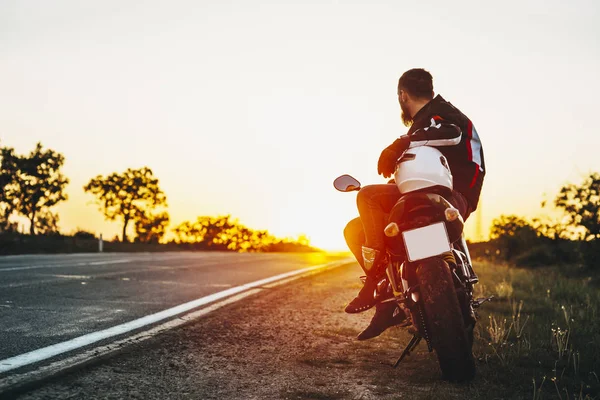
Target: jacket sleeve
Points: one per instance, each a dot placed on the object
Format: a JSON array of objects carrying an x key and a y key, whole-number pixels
[{"x": 440, "y": 132}]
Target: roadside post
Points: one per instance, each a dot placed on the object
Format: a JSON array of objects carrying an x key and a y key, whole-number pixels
[{"x": 100, "y": 244}]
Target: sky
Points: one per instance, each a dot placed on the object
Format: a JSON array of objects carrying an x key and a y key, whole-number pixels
[{"x": 252, "y": 108}]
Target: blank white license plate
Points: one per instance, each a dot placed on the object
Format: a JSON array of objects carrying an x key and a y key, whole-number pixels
[{"x": 429, "y": 241}]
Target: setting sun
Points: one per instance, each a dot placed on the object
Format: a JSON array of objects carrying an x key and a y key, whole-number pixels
[
  {"x": 257, "y": 124},
  {"x": 170, "y": 229}
]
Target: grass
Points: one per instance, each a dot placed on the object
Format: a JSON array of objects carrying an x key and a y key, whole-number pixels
[
  {"x": 538, "y": 339},
  {"x": 541, "y": 335},
  {"x": 504, "y": 290}
]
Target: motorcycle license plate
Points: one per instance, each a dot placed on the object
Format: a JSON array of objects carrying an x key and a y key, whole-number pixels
[{"x": 425, "y": 242}]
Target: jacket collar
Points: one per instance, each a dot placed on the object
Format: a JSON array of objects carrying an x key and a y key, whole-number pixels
[{"x": 426, "y": 110}]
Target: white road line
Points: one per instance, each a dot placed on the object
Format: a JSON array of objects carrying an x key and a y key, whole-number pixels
[
  {"x": 60, "y": 265},
  {"x": 130, "y": 272},
  {"x": 99, "y": 351},
  {"x": 157, "y": 259},
  {"x": 73, "y": 361},
  {"x": 85, "y": 340}
]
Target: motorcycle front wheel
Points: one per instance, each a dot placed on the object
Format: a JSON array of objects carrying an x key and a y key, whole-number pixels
[{"x": 444, "y": 320}]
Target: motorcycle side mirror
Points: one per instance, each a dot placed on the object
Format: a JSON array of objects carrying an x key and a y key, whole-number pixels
[{"x": 346, "y": 183}]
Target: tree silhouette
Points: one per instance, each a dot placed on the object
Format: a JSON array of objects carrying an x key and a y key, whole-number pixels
[
  {"x": 209, "y": 231},
  {"x": 129, "y": 195},
  {"x": 513, "y": 234},
  {"x": 509, "y": 225},
  {"x": 47, "y": 223},
  {"x": 38, "y": 183},
  {"x": 189, "y": 232},
  {"x": 8, "y": 173},
  {"x": 581, "y": 204},
  {"x": 151, "y": 228},
  {"x": 222, "y": 233}
]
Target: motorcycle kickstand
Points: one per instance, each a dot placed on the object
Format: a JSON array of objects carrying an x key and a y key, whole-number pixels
[{"x": 409, "y": 347}]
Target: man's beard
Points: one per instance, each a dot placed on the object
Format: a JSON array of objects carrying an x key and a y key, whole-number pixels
[{"x": 406, "y": 118}]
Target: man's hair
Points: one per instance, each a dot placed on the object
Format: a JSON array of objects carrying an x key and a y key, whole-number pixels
[{"x": 417, "y": 82}]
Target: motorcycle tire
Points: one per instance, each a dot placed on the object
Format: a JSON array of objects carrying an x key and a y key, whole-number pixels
[
  {"x": 467, "y": 313},
  {"x": 444, "y": 321}
]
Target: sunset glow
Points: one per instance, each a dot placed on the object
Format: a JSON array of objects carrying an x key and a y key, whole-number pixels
[{"x": 252, "y": 109}]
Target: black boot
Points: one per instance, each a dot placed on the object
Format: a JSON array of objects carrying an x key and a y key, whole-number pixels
[
  {"x": 386, "y": 315},
  {"x": 365, "y": 298},
  {"x": 374, "y": 267}
]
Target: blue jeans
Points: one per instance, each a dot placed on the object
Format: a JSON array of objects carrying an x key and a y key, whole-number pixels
[{"x": 374, "y": 205}]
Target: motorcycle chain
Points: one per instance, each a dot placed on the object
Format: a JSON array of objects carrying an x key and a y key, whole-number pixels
[{"x": 424, "y": 328}]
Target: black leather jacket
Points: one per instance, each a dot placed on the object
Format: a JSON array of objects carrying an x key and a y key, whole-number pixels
[{"x": 443, "y": 126}]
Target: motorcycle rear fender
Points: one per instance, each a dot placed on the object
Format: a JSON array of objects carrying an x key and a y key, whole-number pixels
[
  {"x": 408, "y": 276},
  {"x": 418, "y": 209}
]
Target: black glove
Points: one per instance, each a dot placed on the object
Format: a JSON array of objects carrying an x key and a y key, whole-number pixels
[{"x": 387, "y": 160}]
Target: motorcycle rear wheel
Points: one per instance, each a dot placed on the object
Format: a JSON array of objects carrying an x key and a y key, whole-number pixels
[{"x": 444, "y": 321}]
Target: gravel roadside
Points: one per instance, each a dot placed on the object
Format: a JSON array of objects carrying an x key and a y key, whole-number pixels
[{"x": 290, "y": 342}]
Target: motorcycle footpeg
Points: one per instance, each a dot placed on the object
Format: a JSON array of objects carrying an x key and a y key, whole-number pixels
[
  {"x": 478, "y": 302},
  {"x": 391, "y": 299},
  {"x": 399, "y": 300}
]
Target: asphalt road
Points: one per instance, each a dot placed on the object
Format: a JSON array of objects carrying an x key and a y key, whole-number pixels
[{"x": 50, "y": 299}]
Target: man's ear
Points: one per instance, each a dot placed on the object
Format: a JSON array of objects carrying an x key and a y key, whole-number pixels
[{"x": 404, "y": 96}]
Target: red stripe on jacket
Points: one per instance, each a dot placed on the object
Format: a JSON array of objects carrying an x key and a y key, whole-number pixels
[
  {"x": 469, "y": 138},
  {"x": 475, "y": 176}
]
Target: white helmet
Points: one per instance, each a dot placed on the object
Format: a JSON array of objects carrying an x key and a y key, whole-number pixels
[{"x": 420, "y": 168}]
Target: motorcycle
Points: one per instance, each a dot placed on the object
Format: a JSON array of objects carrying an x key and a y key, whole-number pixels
[{"x": 429, "y": 273}]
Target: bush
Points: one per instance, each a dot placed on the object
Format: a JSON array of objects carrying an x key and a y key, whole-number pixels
[
  {"x": 538, "y": 256},
  {"x": 504, "y": 290},
  {"x": 589, "y": 254},
  {"x": 83, "y": 234},
  {"x": 518, "y": 241},
  {"x": 513, "y": 236}
]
